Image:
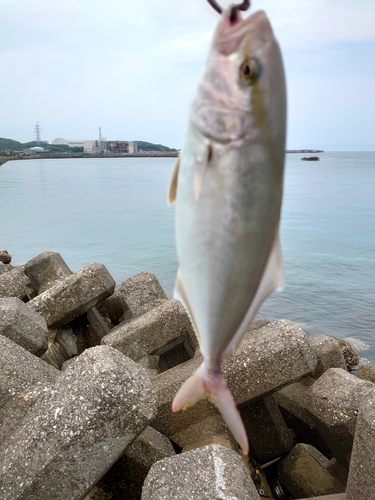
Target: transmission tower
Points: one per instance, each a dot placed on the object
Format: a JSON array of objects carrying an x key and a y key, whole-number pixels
[{"x": 37, "y": 131}]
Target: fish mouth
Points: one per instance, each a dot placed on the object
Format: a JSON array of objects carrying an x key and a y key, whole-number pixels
[{"x": 233, "y": 29}]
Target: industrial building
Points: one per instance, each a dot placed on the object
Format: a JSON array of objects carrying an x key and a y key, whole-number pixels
[{"x": 101, "y": 146}]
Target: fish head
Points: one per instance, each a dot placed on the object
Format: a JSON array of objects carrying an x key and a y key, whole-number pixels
[{"x": 241, "y": 93}]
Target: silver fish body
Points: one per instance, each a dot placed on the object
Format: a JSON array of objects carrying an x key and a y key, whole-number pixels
[{"x": 228, "y": 186}]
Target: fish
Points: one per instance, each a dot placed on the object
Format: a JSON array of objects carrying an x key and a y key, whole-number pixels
[{"x": 227, "y": 185}]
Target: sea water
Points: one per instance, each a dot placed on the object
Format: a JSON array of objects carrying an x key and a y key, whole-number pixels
[{"x": 114, "y": 212}]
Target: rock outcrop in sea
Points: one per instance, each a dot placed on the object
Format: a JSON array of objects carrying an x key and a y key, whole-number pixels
[{"x": 88, "y": 372}]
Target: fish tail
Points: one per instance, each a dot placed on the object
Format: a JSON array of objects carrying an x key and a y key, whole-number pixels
[{"x": 213, "y": 386}]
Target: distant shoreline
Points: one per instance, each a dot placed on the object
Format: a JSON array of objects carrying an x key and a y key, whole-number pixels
[{"x": 151, "y": 154}]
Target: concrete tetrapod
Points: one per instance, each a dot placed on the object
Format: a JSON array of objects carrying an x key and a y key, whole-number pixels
[
  {"x": 78, "y": 429},
  {"x": 361, "y": 480}
]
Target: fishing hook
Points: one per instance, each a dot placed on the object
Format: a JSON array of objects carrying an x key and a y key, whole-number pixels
[{"x": 241, "y": 6}]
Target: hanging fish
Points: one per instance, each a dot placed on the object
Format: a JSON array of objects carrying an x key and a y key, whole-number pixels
[{"x": 228, "y": 183}]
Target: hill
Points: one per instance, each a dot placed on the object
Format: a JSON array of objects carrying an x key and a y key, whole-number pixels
[
  {"x": 11, "y": 145},
  {"x": 149, "y": 146}
]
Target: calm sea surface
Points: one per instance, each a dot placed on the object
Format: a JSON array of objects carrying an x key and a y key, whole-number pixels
[{"x": 114, "y": 212}]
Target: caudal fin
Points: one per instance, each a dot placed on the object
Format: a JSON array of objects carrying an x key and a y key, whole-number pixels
[{"x": 214, "y": 387}]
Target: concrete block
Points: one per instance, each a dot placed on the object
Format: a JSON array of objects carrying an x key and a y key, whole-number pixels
[
  {"x": 5, "y": 258},
  {"x": 328, "y": 353},
  {"x": 361, "y": 480},
  {"x": 333, "y": 402},
  {"x": 126, "y": 477},
  {"x": 45, "y": 270},
  {"x": 184, "y": 428},
  {"x": 350, "y": 355},
  {"x": 23, "y": 325},
  {"x": 97, "y": 494},
  {"x": 291, "y": 403},
  {"x": 78, "y": 429},
  {"x": 3, "y": 268},
  {"x": 305, "y": 473},
  {"x": 139, "y": 294},
  {"x": 98, "y": 327},
  {"x": 20, "y": 373},
  {"x": 164, "y": 332},
  {"x": 15, "y": 283},
  {"x": 267, "y": 359},
  {"x": 63, "y": 347},
  {"x": 209, "y": 473},
  {"x": 268, "y": 433},
  {"x": 366, "y": 372},
  {"x": 74, "y": 295}
]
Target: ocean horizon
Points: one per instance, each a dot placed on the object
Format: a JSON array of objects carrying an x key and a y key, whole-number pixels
[{"x": 113, "y": 211}]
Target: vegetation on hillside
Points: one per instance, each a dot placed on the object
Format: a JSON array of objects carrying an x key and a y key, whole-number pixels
[
  {"x": 11, "y": 145},
  {"x": 149, "y": 146}
]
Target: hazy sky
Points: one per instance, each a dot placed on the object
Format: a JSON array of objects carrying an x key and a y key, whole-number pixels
[{"x": 131, "y": 67}]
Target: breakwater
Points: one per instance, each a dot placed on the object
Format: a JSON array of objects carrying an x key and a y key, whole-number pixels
[
  {"x": 88, "y": 372},
  {"x": 151, "y": 154}
]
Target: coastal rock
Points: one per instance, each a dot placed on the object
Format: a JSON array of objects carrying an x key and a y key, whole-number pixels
[
  {"x": 126, "y": 477},
  {"x": 78, "y": 429},
  {"x": 15, "y": 283},
  {"x": 188, "y": 427},
  {"x": 209, "y": 473},
  {"x": 333, "y": 402},
  {"x": 3, "y": 268},
  {"x": 267, "y": 359},
  {"x": 328, "y": 353},
  {"x": 45, "y": 270},
  {"x": 350, "y": 355},
  {"x": 267, "y": 431},
  {"x": 291, "y": 403},
  {"x": 281, "y": 345},
  {"x": 63, "y": 348},
  {"x": 366, "y": 372},
  {"x": 134, "y": 297},
  {"x": 5, "y": 257},
  {"x": 23, "y": 325},
  {"x": 164, "y": 334},
  {"x": 20, "y": 373},
  {"x": 74, "y": 295},
  {"x": 305, "y": 473},
  {"x": 361, "y": 480}
]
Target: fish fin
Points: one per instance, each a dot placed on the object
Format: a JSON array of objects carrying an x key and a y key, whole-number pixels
[
  {"x": 172, "y": 190},
  {"x": 272, "y": 279},
  {"x": 200, "y": 169},
  {"x": 180, "y": 294},
  {"x": 214, "y": 387}
]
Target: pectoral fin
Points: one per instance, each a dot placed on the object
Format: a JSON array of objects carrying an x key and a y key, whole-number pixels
[
  {"x": 172, "y": 191},
  {"x": 272, "y": 279}
]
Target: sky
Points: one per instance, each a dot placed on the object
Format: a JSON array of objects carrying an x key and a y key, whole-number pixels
[{"x": 131, "y": 67}]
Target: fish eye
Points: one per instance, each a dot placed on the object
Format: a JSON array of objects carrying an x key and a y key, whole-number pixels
[{"x": 250, "y": 71}]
